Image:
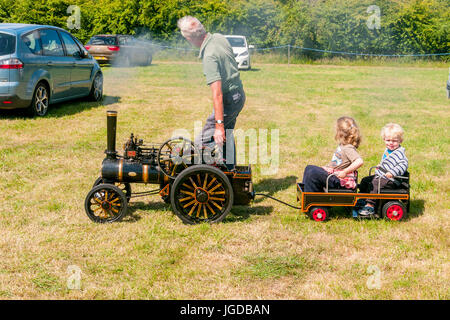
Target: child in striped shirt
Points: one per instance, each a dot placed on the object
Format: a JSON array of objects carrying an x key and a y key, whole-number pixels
[{"x": 393, "y": 163}]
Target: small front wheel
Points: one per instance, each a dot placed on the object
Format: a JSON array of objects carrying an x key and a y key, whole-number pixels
[
  {"x": 106, "y": 203},
  {"x": 124, "y": 186},
  {"x": 319, "y": 214},
  {"x": 394, "y": 210}
]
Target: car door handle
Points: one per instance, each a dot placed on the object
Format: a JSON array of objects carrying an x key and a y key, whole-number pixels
[{"x": 49, "y": 63}]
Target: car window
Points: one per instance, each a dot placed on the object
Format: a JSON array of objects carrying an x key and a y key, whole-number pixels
[
  {"x": 127, "y": 40},
  {"x": 236, "y": 42},
  {"x": 51, "y": 44},
  {"x": 99, "y": 40},
  {"x": 80, "y": 44},
  {"x": 33, "y": 42},
  {"x": 69, "y": 43},
  {"x": 7, "y": 43},
  {"x": 124, "y": 40}
]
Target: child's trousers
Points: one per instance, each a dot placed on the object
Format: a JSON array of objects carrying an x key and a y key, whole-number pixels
[
  {"x": 315, "y": 179},
  {"x": 370, "y": 185}
]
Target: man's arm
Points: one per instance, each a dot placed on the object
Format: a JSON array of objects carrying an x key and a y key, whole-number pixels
[{"x": 219, "y": 133}]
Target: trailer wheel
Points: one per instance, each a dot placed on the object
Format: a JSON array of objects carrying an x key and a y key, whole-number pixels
[
  {"x": 319, "y": 214},
  {"x": 201, "y": 193},
  {"x": 124, "y": 186},
  {"x": 394, "y": 210},
  {"x": 106, "y": 203}
]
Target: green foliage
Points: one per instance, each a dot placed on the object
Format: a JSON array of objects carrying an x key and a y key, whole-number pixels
[
  {"x": 422, "y": 27},
  {"x": 407, "y": 26},
  {"x": 256, "y": 19}
]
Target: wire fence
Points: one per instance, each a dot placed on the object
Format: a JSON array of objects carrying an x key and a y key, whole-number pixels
[
  {"x": 290, "y": 54},
  {"x": 323, "y": 51}
]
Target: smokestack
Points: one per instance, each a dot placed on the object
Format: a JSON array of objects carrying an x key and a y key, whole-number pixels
[{"x": 111, "y": 122}]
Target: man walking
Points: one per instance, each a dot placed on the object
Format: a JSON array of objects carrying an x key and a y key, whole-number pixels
[{"x": 222, "y": 76}]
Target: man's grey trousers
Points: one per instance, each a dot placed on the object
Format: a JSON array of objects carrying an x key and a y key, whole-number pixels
[{"x": 233, "y": 103}]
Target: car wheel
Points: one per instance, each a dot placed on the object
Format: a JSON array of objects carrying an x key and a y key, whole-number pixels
[
  {"x": 96, "y": 93},
  {"x": 40, "y": 102}
]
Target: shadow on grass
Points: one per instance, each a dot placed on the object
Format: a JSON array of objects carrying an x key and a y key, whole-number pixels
[
  {"x": 63, "y": 109},
  {"x": 338, "y": 213},
  {"x": 144, "y": 206},
  {"x": 60, "y": 109},
  {"x": 119, "y": 66},
  {"x": 237, "y": 213},
  {"x": 13, "y": 114},
  {"x": 241, "y": 213},
  {"x": 271, "y": 186},
  {"x": 417, "y": 207}
]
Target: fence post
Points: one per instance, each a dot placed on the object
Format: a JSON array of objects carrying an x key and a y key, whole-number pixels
[{"x": 289, "y": 54}]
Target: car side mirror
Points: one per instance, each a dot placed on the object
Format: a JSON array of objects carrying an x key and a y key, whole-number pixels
[{"x": 80, "y": 54}]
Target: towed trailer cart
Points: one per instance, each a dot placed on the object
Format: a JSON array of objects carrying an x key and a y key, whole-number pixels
[{"x": 392, "y": 204}]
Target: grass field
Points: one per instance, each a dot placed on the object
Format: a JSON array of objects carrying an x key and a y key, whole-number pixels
[{"x": 265, "y": 251}]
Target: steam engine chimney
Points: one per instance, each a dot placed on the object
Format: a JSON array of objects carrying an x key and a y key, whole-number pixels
[{"x": 111, "y": 123}]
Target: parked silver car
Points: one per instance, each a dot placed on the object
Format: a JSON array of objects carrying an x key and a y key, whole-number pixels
[{"x": 40, "y": 65}]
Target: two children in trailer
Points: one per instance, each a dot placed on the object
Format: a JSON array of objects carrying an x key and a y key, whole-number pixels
[{"x": 346, "y": 161}]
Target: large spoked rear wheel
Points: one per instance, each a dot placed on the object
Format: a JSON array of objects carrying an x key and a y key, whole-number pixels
[
  {"x": 201, "y": 193},
  {"x": 106, "y": 203}
]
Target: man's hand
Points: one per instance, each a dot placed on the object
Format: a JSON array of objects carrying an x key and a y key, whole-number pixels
[
  {"x": 389, "y": 175},
  {"x": 219, "y": 134}
]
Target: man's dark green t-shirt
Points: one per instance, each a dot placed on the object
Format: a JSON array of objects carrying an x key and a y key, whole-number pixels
[{"x": 219, "y": 62}]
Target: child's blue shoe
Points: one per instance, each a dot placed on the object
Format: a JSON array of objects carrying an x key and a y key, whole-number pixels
[
  {"x": 358, "y": 206},
  {"x": 366, "y": 211}
]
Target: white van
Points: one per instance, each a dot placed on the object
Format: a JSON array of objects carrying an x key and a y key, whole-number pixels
[{"x": 240, "y": 50}]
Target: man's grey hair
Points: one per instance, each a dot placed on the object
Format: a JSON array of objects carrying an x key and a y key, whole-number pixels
[{"x": 191, "y": 27}]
